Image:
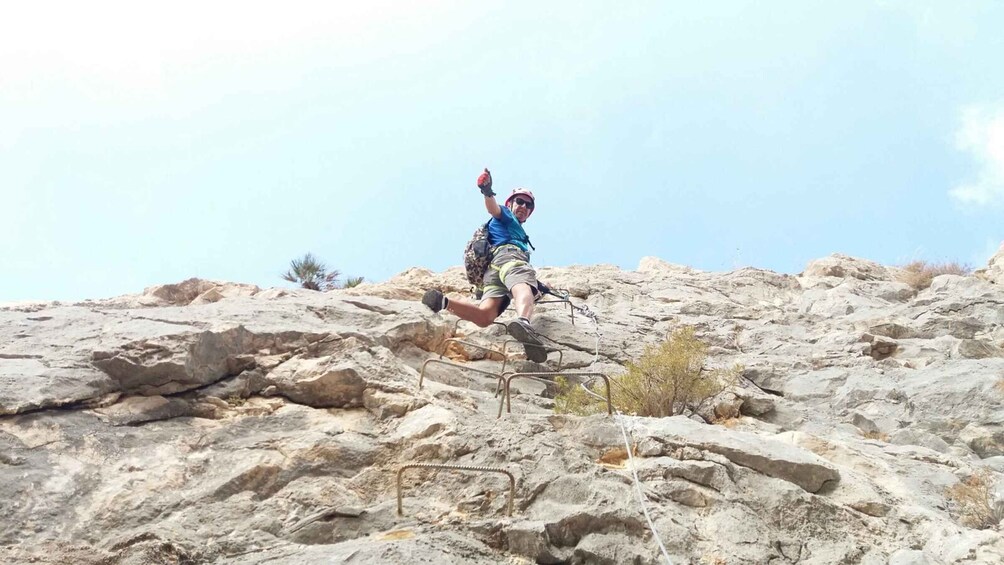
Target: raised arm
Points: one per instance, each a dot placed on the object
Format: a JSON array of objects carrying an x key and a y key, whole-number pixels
[
  {"x": 485, "y": 184},
  {"x": 493, "y": 207}
]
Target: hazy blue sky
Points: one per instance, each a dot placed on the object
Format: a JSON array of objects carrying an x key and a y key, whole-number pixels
[{"x": 145, "y": 145}]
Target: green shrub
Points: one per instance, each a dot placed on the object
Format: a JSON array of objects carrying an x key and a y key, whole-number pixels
[
  {"x": 573, "y": 399},
  {"x": 919, "y": 274},
  {"x": 668, "y": 379}
]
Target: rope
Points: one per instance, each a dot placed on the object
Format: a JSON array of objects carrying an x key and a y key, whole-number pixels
[
  {"x": 634, "y": 475},
  {"x": 586, "y": 312}
]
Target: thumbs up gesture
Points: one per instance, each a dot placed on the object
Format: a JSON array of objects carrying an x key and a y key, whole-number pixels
[{"x": 485, "y": 183}]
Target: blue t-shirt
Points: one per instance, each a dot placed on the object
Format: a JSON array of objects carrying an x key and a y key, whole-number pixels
[{"x": 507, "y": 229}]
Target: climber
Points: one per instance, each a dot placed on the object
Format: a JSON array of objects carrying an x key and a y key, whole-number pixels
[{"x": 509, "y": 276}]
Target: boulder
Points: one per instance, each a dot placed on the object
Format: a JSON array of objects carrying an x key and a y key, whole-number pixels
[
  {"x": 994, "y": 271},
  {"x": 844, "y": 266},
  {"x": 772, "y": 458}
]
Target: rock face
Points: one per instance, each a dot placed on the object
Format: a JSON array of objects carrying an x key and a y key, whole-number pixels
[
  {"x": 207, "y": 422},
  {"x": 994, "y": 271}
]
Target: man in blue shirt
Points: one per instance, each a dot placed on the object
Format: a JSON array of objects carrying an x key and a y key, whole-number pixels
[{"x": 509, "y": 277}]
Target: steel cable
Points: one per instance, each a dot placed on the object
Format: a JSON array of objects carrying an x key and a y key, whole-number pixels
[{"x": 618, "y": 417}]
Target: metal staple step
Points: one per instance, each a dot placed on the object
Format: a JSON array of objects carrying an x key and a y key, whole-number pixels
[{"x": 512, "y": 480}]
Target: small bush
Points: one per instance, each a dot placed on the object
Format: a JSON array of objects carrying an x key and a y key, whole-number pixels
[
  {"x": 353, "y": 282},
  {"x": 919, "y": 274},
  {"x": 235, "y": 400},
  {"x": 573, "y": 399},
  {"x": 974, "y": 502},
  {"x": 667, "y": 380}
]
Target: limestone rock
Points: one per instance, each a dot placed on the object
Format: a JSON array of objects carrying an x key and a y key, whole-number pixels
[
  {"x": 198, "y": 291},
  {"x": 977, "y": 349},
  {"x": 921, "y": 438},
  {"x": 774, "y": 459},
  {"x": 341, "y": 379},
  {"x": 843, "y": 266},
  {"x": 985, "y": 440},
  {"x": 140, "y": 409},
  {"x": 994, "y": 271},
  {"x": 892, "y": 330},
  {"x": 209, "y": 422}
]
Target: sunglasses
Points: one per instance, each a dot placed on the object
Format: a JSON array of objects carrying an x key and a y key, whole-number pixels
[{"x": 520, "y": 202}]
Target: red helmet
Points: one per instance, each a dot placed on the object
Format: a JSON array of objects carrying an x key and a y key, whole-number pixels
[{"x": 520, "y": 192}]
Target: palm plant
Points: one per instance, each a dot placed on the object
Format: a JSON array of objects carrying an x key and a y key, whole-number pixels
[
  {"x": 353, "y": 282},
  {"x": 312, "y": 274}
]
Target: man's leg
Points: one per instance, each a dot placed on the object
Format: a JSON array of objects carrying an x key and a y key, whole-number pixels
[
  {"x": 482, "y": 314},
  {"x": 522, "y": 298},
  {"x": 520, "y": 328}
]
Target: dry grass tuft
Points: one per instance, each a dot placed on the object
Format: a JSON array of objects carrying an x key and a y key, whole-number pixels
[
  {"x": 730, "y": 423},
  {"x": 669, "y": 379},
  {"x": 615, "y": 458},
  {"x": 919, "y": 274},
  {"x": 876, "y": 435},
  {"x": 974, "y": 503}
]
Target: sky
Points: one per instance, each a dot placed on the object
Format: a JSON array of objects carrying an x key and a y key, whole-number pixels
[{"x": 146, "y": 144}]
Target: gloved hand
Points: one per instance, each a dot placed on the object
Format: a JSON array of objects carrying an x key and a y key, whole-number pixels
[{"x": 485, "y": 183}]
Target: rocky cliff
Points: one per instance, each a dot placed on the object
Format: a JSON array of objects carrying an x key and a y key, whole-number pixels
[{"x": 208, "y": 422}]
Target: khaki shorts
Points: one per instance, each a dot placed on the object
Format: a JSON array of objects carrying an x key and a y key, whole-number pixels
[{"x": 510, "y": 266}]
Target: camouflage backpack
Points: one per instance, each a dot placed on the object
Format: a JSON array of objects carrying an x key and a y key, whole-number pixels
[{"x": 477, "y": 257}]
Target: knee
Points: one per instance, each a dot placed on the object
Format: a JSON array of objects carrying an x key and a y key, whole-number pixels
[
  {"x": 522, "y": 289},
  {"x": 485, "y": 318}
]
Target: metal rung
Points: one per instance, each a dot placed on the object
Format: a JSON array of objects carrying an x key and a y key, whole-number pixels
[
  {"x": 503, "y": 353},
  {"x": 561, "y": 352},
  {"x": 512, "y": 480},
  {"x": 561, "y": 301},
  {"x": 469, "y": 344},
  {"x": 505, "y": 358},
  {"x": 421, "y": 376},
  {"x": 507, "y": 378},
  {"x": 456, "y": 325}
]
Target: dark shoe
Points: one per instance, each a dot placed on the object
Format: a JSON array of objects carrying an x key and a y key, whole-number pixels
[
  {"x": 434, "y": 300},
  {"x": 521, "y": 329}
]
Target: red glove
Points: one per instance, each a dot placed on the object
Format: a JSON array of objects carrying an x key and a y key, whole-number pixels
[{"x": 485, "y": 183}]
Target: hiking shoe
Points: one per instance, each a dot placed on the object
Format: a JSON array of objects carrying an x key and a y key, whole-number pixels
[
  {"x": 521, "y": 329},
  {"x": 434, "y": 300}
]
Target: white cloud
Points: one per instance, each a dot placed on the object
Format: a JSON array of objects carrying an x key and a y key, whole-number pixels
[{"x": 982, "y": 136}]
